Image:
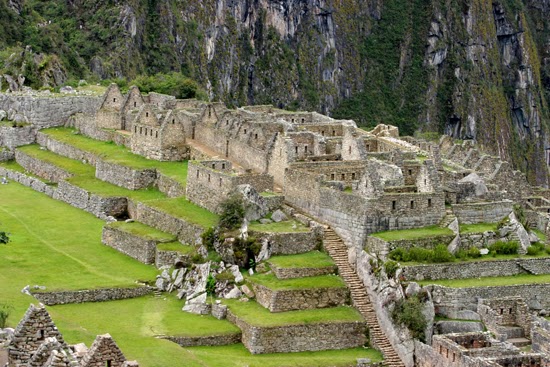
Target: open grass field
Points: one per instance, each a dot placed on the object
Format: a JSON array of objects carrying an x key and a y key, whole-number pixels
[
  {"x": 478, "y": 228},
  {"x": 281, "y": 227},
  {"x": 118, "y": 154},
  {"x": 56, "y": 245}
]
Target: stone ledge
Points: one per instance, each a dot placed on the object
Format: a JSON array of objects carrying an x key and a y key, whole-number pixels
[
  {"x": 301, "y": 337},
  {"x": 299, "y": 299},
  {"x": 205, "y": 341},
  {"x": 292, "y": 273},
  {"x": 90, "y": 295},
  {"x": 40, "y": 168}
]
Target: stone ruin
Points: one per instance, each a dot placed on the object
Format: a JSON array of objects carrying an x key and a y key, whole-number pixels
[{"x": 36, "y": 342}]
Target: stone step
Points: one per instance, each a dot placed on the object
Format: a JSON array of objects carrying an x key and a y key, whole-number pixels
[{"x": 512, "y": 332}]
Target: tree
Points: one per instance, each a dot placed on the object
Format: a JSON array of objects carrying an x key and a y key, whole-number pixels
[{"x": 4, "y": 237}]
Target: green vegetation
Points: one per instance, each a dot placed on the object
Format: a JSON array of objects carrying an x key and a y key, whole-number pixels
[
  {"x": 175, "y": 84},
  {"x": 439, "y": 254},
  {"x": 408, "y": 312},
  {"x": 491, "y": 281},
  {"x": 5, "y": 311},
  {"x": 324, "y": 281},
  {"x": 478, "y": 228},
  {"x": 142, "y": 230},
  {"x": 540, "y": 235},
  {"x": 253, "y": 313},
  {"x": 118, "y": 154},
  {"x": 183, "y": 208},
  {"x": 232, "y": 215},
  {"x": 285, "y": 226},
  {"x": 504, "y": 248},
  {"x": 313, "y": 259},
  {"x": 413, "y": 234},
  {"x": 70, "y": 165},
  {"x": 391, "y": 267}
]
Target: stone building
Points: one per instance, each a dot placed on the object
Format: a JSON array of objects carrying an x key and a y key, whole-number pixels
[{"x": 38, "y": 343}]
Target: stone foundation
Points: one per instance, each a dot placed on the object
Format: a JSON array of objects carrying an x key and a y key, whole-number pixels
[
  {"x": 205, "y": 341},
  {"x": 45, "y": 170},
  {"x": 137, "y": 247},
  {"x": 299, "y": 299},
  {"x": 291, "y": 273},
  {"x": 90, "y": 295},
  {"x": 132, "y": 179}
]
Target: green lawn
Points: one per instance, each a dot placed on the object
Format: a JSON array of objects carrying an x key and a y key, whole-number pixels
[
  {"x": 491, "y": 281},
  {"x": 57, "y": 246},
  {"x": 313, "y": 259},
  {"x": 323, "y": 281},
  {"x": 281, "y": 227},
  {"x": 413, "y": 234},
  {"x": 70, "y": 165},
  {"x": 478, "y": 228},
  {"x": 540, "y": 235},
  {"x": 14, "y": 166},
  {"x": 184, "y": 209},
  {"x": 253, "y": 313},
  {"x": 118, "y": 154},
  {"x": 176, "y": 246},
  {"x": 142, "y": 230}
]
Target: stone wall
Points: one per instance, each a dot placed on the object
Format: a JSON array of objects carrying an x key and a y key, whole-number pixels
[
  {"x": 290, "y": 243},
  {"x": 169, "y": 186},
  {"x": 98, "y": 205},
  {"x": 47, "y": 111},
  {"x": 34, "y": 183},
  {"x": 13, "y": 137},
  {"x": 170, "y": 258},
  {"x": 86, "y": 125},
  {"x": 300, "y": 338},
  {"x": 205, "y": 341},
  {"x": 65, "y": 150},
  {"x": 291, "y": 273},
  {"x": 90, "y": 295},
  {"x": 299, "y": 299},
  {"x": 132, "y": 179},
  {"x": 540, "y": 336},
  {"x": 137, "y": 247},
  {"x": 448, "y": 301},
  {"x": 185, "y": 232},
  {"x": 482, "y": 212},
  {"x": 476, "y": 269},
  {"x": 45, "y": 170}
]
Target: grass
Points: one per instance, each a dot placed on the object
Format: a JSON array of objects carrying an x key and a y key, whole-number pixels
[
  {"x": 70, "y": 165},
  {"x": 323, "y": 281},
  {"x": 176, "y": 246},
  {"x": 14, "y": 166},
  {"x": 491, "y": 281},
  {"x": 542, "y": 237},
  {"x": 142, "y": 230},
  {"x": 254, "y": 314},
  {"x": 6, "y": 123},
  {"x": 57, "y": 246},
  {"x": 287, "y": 226},
  {"x": 313, "y": 259},
  {"x": 184, "y": 209},
  {"x": 488, "y": 257},
  {"x": 478, "y": 228},
  {"x": 113, "y": 153},
  {"x": 413, "y": 234}
]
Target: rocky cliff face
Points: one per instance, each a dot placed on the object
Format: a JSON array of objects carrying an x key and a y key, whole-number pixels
[{"x": 476, "y": 69}]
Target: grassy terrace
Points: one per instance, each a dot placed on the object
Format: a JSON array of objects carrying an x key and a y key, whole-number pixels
[
  {"x": 413, "y": 234},
  {"x": 313, "y": 259},
  {"x": 324, "y": 281},
  {"x": 251, "y": 312},
  {"x": 478, "y": 228},
  {"x": 183, "y": 208},
  {"x": 57, "y": 246},
  {"x": 281, "y": 227},
  {"x": 491, "y": 281},
  {"x": 142, "y": 230},
  {"x": 84, "y": 176},
  {"x": 14, "y": 166},
  {"x": 176, "y": 246},
  {"x": 113, "y": 153}
]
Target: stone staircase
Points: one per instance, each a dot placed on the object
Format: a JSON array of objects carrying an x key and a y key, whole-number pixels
[
  {"x": 448, "y": 218},
  {"x": 515, "y": 335},
  {"x": 338, "y": 251}
]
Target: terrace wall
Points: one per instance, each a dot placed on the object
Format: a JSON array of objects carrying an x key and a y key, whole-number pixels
[
  {"x": 45, "y": 170},
  {"x": 90, "y": 295},
  {"x": 482, "y": 212}
]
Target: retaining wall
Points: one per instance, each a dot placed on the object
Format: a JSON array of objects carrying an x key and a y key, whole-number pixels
[
  {"x": 132, "y": 179},
  {"x": 290, "y": 243},
  {"x": 205, "y": 341},
  {"x": 477, "y": 269},
  {"x": 34, "y": 183},
  {"x": 300, "y": 338},
  {"x": 482, "y": 212},
  {"x": 299, "y": 299},
  {"x": 291, "y": 273},
  {"x": 137, "y": 247},
  {"x": 90, "y": 295},
  {"x": 47, "y": 171}
]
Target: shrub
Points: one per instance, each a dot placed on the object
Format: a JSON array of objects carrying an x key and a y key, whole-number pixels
[
  {"x": 408, "y": 312},
  {"x": 210, "y": 285},
  {"x": 520, "y": 216},
  {"x": 232, "y": 212},
  {"x": 535, "y": 249},
  {"x": 474, "y": 252},
  {"x": 225, "y": 276},
  {"x": 209, "y": 237},
  {"x": 245, "y": 252},
  {"x": 547, "y": 249},
  {"x": 461, "y": 254},
  {"x": 391, "y": 267},
  {"x": 399, "y": 254},
  {"x": 441, "y": 254},
  {"x": 504, "y": 248},
  {"x": 5, "y": 311},
  {"x": 4, "y": 238}
]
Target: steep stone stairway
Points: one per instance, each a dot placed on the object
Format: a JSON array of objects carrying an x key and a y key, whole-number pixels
[
  {"x": 448, "y": 218},
  {"x": 337, "y": 250}
]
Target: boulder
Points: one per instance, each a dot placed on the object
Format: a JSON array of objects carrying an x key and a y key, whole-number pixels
[
  {"x": 234, "y": 293},
  {"x": 478, "y": 183},
  {"x": 247, "y": 291},
  {"x": 3, "y": 115},
  {"x": 255, "y": 206},
  {"x": 265, "y": 251},
  {"x": 197, "y": 305},
  {"x": 278, "y": 216},
  {"x": 468, "y": 315},
  {"x": 67, "y": 90},
  {"x": 263, "y": 220},
  {"x": 234, "y": 269},
  {"x": 412, "y": 289}
]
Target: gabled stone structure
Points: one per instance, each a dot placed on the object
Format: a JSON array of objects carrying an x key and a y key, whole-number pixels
[
  {"x": 109, "y": 114},
  {"x": 37, "y": 343}
]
